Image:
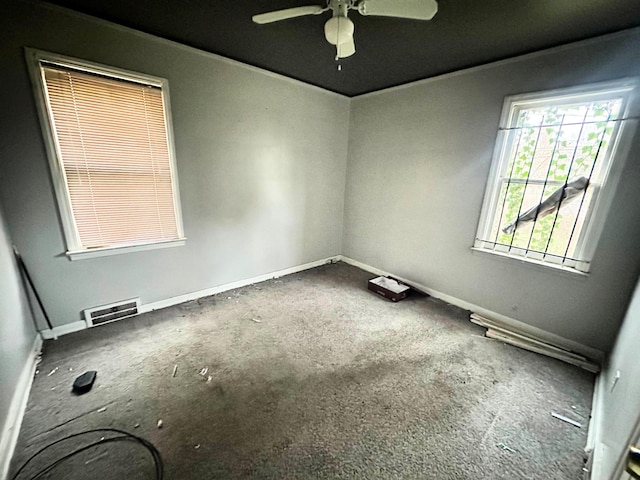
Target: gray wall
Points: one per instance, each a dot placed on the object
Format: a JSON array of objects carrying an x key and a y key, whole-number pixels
[
  {"x": 419, "y": 158},
  {"x": 17, "y": 332},
  {"x": 619, "y": 410},
  {"x": 261, "y": 165}
]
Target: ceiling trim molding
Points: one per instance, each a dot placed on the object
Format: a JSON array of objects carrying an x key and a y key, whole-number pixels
[
  {"x": 506, "y": 61},
  {"x": 181, "y": 46},
  {"x": 271, "y": 74}
]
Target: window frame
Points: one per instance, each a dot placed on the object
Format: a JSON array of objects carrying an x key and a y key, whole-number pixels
[
  {"x": 75, "y": 250},
  {"x": 603, "y": 192}
]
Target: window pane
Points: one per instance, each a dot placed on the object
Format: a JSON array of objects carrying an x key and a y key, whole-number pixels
[
  {"x": 553, "y": 159},
  {"x": 113, "y": 147}
]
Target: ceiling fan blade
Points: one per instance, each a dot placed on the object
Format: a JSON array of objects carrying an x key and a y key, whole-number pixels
[
  {"x": 346, "y": 49},
  {"x": 414, "y": 9},
  {"x": 287, "y": 13}
]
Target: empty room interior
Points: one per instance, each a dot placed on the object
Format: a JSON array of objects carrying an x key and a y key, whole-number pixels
[{"x": 359, "y": 239}]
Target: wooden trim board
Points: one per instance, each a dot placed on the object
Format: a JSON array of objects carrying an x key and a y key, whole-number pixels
[
  {"x": 536, "y": 347},
  {"x": 507, "y": 323},
  {"x": 503, "y": 333}
]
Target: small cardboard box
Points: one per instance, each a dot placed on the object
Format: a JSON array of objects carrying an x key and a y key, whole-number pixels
[{"x": 389, "y": 288}]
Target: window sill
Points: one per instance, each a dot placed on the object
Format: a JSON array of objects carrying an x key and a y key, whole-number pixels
[
  {"x": 103, "y": 252},
  {"x": 549, "y": 267}
]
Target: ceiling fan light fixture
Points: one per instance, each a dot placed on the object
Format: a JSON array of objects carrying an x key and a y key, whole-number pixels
[
  {"x": 344, "y": 50},
  {"x": 338, "y": 30}
]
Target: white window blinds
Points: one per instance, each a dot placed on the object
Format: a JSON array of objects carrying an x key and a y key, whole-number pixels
[{"x": 112, "y": 146}]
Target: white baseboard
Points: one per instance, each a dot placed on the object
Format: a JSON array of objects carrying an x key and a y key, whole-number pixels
[
  {"x": 49, "y": 334},
  {"x": 600, "y": 451},
  {"x": 515, "y": 325},
  {"x": 593, "y": 435},
  {"x": 187, "y": 297},
  {"x": 149, "y": 307},
  {"x": 11, "y": 430}
]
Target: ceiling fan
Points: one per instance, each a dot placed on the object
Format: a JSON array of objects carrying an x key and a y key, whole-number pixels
[{"x": 339, "y": 29}]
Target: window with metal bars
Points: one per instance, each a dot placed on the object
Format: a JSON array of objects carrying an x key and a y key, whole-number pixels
[
  {"x": 555, "y": 164},
  {"x": 111, "y": 155}
]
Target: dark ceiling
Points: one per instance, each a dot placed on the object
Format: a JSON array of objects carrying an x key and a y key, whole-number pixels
[{"x": 390, "y": 51}]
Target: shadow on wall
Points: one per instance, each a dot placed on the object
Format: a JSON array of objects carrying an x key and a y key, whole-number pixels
[{"x": 259, "y": 198}]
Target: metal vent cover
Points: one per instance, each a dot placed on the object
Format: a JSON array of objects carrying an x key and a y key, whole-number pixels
[{"x": 112, "y": 312}]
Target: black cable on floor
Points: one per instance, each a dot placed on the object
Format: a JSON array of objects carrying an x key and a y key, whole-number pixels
[{"x": 124, "y": 436}]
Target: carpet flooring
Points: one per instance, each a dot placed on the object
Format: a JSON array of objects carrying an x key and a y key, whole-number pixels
[{"x": 309, "y": 376}]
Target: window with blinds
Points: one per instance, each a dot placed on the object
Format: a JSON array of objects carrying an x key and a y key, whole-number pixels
[
  {"x": 113, "y": 156},
  {"x": 552, "y": 166}
]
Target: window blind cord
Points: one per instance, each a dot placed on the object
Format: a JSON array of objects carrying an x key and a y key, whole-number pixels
[{"x": 84, "y": 153}]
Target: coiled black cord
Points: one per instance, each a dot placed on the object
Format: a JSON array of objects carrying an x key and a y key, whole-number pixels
[{"x": 123, "y": 436}]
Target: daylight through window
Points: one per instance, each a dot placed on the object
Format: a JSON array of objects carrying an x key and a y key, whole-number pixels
[
  {"x": 552, "y": 159},
  {"x": 113, "y": 157}
]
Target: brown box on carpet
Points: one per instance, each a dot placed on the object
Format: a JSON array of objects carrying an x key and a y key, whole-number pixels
[{"x": 389, "y": 288}]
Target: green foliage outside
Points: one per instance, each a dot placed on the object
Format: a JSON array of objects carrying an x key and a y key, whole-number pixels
[{"x": 543, "y": 146}]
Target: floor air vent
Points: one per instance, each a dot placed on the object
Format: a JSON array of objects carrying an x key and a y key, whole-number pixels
[{"x": 112, "y": 312}]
